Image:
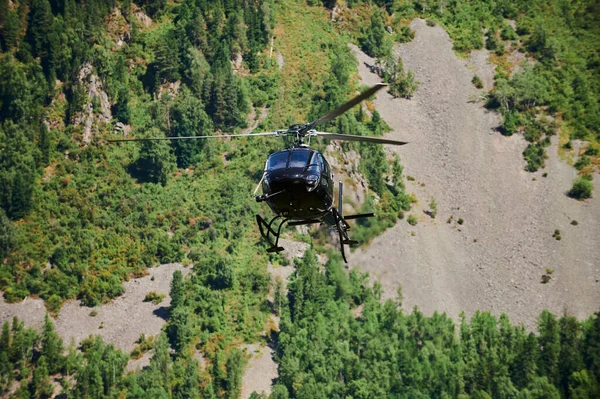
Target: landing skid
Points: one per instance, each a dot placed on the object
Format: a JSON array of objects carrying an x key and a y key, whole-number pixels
[
  {"x": 334, "y": 218},
  {"x": 341, "y": 223},
  {"x": 268, "y": 233},
  {"x": 342, "y": 227}
]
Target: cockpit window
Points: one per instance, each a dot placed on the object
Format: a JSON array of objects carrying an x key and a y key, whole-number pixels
[
  {"x": 277, "y": 160},
  {"x": 300, "y": 159}
]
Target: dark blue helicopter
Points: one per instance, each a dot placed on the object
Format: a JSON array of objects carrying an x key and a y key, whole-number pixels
[{"x": 297, "y": 183}]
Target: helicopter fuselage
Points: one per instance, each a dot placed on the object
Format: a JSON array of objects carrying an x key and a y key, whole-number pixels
[{"x": 298, "y": 184}]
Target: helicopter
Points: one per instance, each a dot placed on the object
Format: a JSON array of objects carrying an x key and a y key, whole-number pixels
[{"x": 297, "y": 183}]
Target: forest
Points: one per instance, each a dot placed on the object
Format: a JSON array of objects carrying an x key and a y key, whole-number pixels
[{"x": 78, "y": 216}]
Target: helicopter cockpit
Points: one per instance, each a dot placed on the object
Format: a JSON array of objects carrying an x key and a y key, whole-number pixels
[
  {"x": 294, "y": 163},
  {"x": 299, "y": 165}
]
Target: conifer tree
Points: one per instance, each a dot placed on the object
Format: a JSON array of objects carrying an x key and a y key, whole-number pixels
[
  {"x": 177, "y": 289},
  {"x": 156, "y": 162},
  {"x": 179, "y": 329},
  {"x": 6, "y": 234},
  {"x": 191, "y": 383},
  {"x": 189, "y": 119},
  {"x": 39, "y": 26},
  {"x": 549, "y": 341},
  {"x": 52, "y": 347},
  {"x": 375, "y": 41},
  {"x": 235, "y": 368},
  {"x": 40, "y": 383}
]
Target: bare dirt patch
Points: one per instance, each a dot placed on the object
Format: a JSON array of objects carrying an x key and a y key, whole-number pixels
[
  {"x": 260, "y": 371},
  {"x": 31, "y": 311},
  {"x": 120, "y": 322},
  {"x": 494, "y": 260}
]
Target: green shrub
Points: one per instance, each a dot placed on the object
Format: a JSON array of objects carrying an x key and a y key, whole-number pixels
[
  {"x": 412, "y": 220},
  {"x": 508, "y": 33},
  {"x": 405, "y": 35},
  {"x": 582, "y": 162},
  {"x": 430, "y": 22},
  {"x": 433, "y": 208},
  {"x": 491, "y": 42},
  {"x": 154, "y": 297},
  {"x": 592, "y": 151},
  {"x": 534, "y": 155},
  {"x": 512, "y": 120},
  {"x": 54, "y": 303},
  {"x": 582, "y": 189},
  {"x": 477, "y": 82}
]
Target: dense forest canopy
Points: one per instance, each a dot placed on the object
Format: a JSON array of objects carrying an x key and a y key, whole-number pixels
[{"x": 78, "y": 217}]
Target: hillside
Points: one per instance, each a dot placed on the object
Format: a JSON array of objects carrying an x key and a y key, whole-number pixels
[
  {"x": 136, "y": 269},
  {"x": 495, "y": 260}
]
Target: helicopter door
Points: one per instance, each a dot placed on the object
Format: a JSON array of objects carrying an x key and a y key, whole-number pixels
[{"x": 326, "y": 176}]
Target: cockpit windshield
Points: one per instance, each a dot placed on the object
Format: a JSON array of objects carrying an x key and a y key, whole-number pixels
[
  {"x": 297, "y": 159},
  {"x": 277, "y": 160},
  {"x": 300, "y": 159}
]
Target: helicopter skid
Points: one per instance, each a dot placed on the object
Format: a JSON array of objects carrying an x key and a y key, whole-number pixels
[
  {"x": 268, "y": 233},
  {"x": 333, "y": 218}
]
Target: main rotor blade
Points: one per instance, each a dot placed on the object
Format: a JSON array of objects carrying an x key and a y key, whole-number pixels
[
  {"x": 366, "y": 139},
  {"x": 345, "y": 107},
  {"x": 219, "y": 136}
]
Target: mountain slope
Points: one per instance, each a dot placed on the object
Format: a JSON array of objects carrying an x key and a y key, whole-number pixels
[{"x": 496, "y": 259}]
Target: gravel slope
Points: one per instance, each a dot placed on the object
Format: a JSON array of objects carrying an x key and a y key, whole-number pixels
[
  {"x": 123, "y": 320},
  {"x": 495, "y": 260}
]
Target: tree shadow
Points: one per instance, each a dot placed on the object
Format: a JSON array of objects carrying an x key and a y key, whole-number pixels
[
  {"x": 162, "y": 312},
  {"x": 373, "y": 68}
]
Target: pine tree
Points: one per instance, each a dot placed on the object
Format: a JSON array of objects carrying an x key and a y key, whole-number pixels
[
  {"x": 177, "y": 290},
  {"x": 591, "y": 346},
  {"x": 235, "y": 368},
  {"x": 3, "y": 11},
  {"x": 179, "y": 329},
  {"x": 52, "y": 347},
  {"x": 191, "y": 383},
  {"x": 549, "y": 341},
  {"x": 570, "y": 359},
  {"x": 189, "y": 119},
  {"x": 525, "y": 366},
  {"x": 375, "y": 41},
  {"x": 40, "y": 26},
  {"x": 156, "y": 162},
  {"x": 6, "y": 368},
  {"x": 7, "y": 232},
  {"x": 40, "y": 383},
  {"x": 11, "y": 31}
]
